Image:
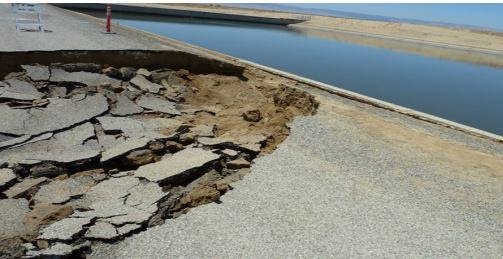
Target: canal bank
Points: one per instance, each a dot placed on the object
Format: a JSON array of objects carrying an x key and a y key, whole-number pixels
[
  {"x": 456, "y": 38},
  {"x": 351, "y": 180},
  {"x": 434, "y": 80}
]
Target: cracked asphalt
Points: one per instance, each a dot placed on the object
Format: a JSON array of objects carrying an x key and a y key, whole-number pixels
[
  {"x": 351, "y": 181},
  {"x": 345, "y": 187}
]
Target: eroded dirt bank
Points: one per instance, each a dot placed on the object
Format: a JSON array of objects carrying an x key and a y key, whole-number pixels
[{"x": 91, "y": 152}]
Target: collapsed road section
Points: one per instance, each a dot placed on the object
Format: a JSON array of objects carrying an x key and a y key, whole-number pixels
[{"x": 91, "y": 152}]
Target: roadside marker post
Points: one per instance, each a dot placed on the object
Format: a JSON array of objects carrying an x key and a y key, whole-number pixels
[
  {"x": 109, "y": 17},
  {"x": 109, "y": 20}
]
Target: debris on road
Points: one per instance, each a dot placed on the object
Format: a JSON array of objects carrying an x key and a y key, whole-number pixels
[{"x": 91, "y": 152}]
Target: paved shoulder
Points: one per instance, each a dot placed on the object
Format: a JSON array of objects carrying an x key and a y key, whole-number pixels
[{"x": 68, "y": 31}]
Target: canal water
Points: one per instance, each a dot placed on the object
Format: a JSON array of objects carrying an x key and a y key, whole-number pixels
[{"x": 467, "y": 93}]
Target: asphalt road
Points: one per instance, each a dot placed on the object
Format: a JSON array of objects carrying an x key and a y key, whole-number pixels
[
  {"x": 68, "y": 31},
  {"x": 351, "y": 181}
]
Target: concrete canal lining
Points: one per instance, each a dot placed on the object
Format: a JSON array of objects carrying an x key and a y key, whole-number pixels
[{"x": 177, "y": 12}]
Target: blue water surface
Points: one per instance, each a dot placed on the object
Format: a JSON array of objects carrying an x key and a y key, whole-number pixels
[{"x": 466, "y": 93}]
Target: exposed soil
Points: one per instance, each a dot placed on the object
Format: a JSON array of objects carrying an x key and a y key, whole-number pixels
[
  {"x": 229, "y": 120},
  {"x": 233, "y": 97}
]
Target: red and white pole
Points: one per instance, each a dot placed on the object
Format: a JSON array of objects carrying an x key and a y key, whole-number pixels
[{"x": 109, "y": 17}]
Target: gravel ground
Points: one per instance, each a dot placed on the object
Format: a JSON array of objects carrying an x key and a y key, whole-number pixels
[{"x": 335, "y": 189}]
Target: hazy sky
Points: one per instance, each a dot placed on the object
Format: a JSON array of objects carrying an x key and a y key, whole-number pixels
[{"x": 484, "y": 15}]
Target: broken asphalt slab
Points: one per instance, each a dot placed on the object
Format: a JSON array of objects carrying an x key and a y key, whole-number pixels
[
  {"x": 65, "y": 147},
  {"x": 59, "y": 114},
  {"x": 124, "y": 106},
  {"x": 118, "y": 201},
  {"x": 37, "y": 73},
  {"x": 102, "y": 230},
  {"x": 133, "y": 128},
  {"x": 19, "y": 90},
  {"x": 6, "y": 176},
  {"x": 65, "y": 229},
  {"x": 178, "y": 163},
  {"x": 58, "y": 249},
  {"x": 144, "y": 84},
  {"x": 12, "y": 212},
  {"x": 123, "y": 147},
  {"x": 21, "y": 188},
  {"x": 60, "y": 191},
  {"x": 14, "y": 141},
  {"x": 85, "y": 78},
  {"x": 157, "y": 104},
  {"x": 137, "y": 133}
]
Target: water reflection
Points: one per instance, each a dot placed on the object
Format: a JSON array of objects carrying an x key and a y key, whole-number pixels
[
  {"x": 452, "y": 84},
  {"x": 460, "y": 55}
]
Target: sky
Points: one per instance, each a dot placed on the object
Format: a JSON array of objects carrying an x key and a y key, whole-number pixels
[{"x": 481, "y": 15}]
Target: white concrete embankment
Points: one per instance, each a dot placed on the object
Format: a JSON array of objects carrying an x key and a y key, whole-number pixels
[{"x": 139, "y": 9}]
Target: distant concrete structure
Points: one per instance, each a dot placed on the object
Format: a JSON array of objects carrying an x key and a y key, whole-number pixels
[{"x": 187, "y": 13}]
